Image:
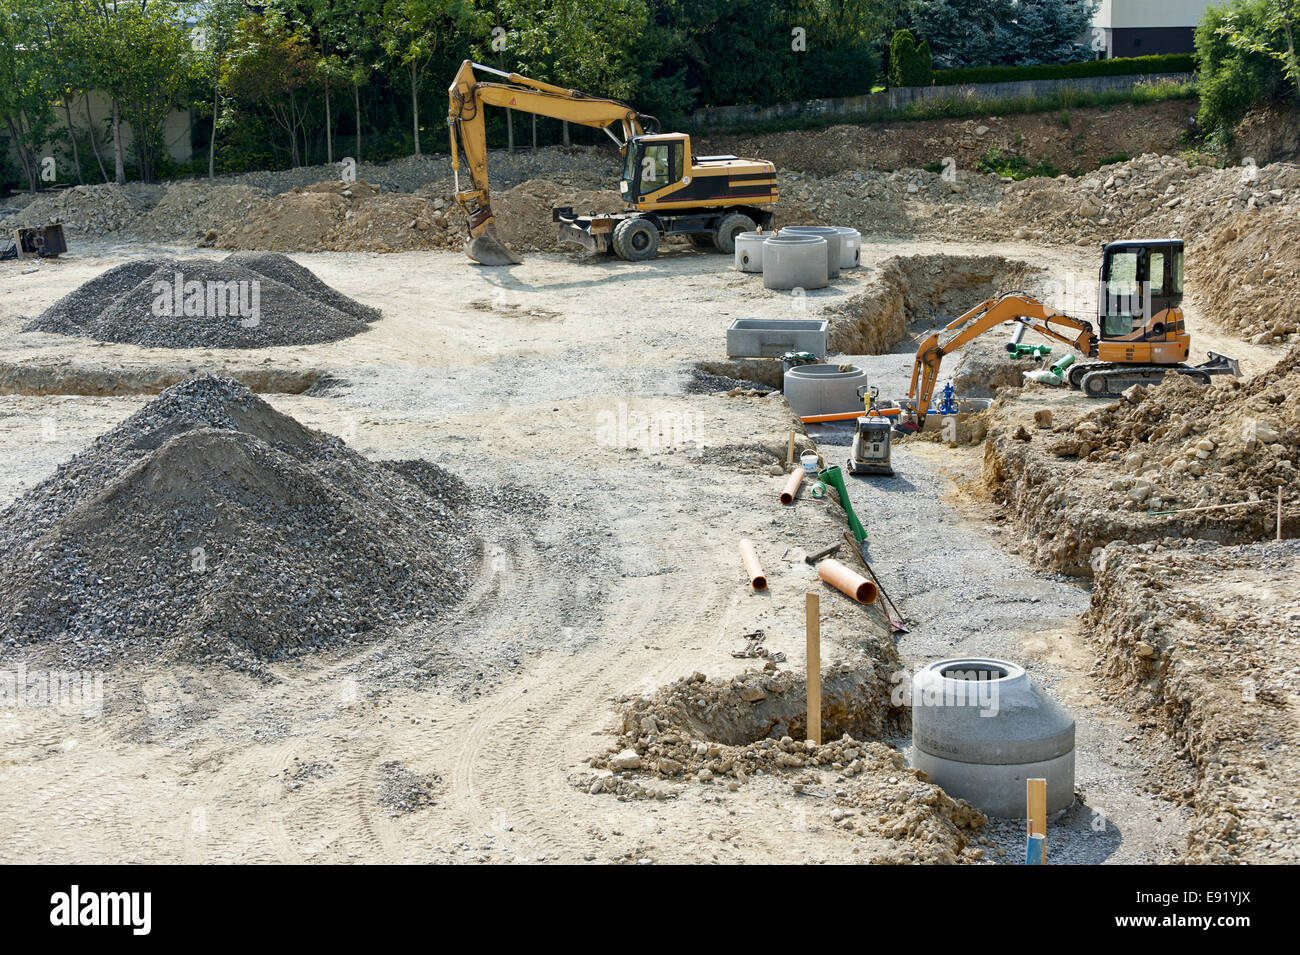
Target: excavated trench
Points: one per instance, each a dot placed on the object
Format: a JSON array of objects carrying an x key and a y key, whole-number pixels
[
  {"x": 20, "y": 378},
  {"x": 906, "y": 292}
]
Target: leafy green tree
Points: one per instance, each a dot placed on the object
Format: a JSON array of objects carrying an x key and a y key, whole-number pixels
[
  {"x": 26, "y": 85},
  {"x": 410, "y": 33},
  {"x": 212, "y": 40},
  {"x": 1245, "y": 54},
  {"x": 271, "y": 64},
  {"x": 910, "y": 63}
]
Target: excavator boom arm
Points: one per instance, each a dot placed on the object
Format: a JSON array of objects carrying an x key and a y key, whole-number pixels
[
  {"x": 466, "y": 124},
  {"x": 989, "y": 314}
]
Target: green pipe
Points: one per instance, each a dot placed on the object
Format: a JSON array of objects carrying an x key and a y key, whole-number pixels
[
  {"x": 1030, "y": 351},
  {"x": 1062, "y": 363},
  {"x": 835, "y": 479}
]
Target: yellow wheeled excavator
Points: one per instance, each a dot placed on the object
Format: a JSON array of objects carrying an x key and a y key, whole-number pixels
[
  {"x": 668, "y": 189},
  {"x": 1139, "y": 337}
]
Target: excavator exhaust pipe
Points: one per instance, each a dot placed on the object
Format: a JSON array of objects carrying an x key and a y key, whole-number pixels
[{"x": 487, "y": 249}]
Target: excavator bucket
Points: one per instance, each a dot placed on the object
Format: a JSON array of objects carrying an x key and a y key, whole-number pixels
[{"x": 488, "y": 249}]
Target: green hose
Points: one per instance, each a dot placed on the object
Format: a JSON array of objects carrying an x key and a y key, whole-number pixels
[{"x": 835, "y": 479}]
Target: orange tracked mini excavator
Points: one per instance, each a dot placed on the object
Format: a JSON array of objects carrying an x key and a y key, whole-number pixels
[{"x": 1139, "y": 337}]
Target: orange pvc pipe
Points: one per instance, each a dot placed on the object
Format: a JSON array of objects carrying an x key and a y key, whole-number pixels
[
  {"x": 792, "y": 486},
  {"x": 850, "y": 415},
  {"x": 846, "y": 581},
  {"x": 757, "y": 579}
]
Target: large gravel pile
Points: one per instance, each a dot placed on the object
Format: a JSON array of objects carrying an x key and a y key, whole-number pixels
[
  {"x": 208, "y": 527},
  {"x": 189, "y": 211},
  {"x": 274, "y": 301}
]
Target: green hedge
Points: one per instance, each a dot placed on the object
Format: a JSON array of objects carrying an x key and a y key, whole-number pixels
[{"x": 1121, "y": 66}]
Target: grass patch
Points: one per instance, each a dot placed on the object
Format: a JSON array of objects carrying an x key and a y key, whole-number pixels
[
  {"x": 967, "y": 106},
  {"x": 1015, "y": 166}
]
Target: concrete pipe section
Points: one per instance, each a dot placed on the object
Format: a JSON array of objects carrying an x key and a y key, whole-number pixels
[
  {"x": 834, "y": 243},
  {"x": 851, "y": 247},
  {"x": 824, "y": 389},
  {"x": 749, "y": 251},
  {"x": 795, "y": 261},
  {"x": 980, "y": 728}
]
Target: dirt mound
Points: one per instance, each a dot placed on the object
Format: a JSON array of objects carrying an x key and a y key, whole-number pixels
[
  {"x": 726, "y": 732},
  {"x": 208, "y": 527},
  {"x": 87, "y": 211},
  {"x": 188, "y": 211},
  {"x": 248, "y": 301},
  {"x": 918, "y": 288},
  {"x": 524, "y": 212},
  {"x": 1199, "y": 642},
  {"x": 342, "y": 217},
  {"x": 1099, "y": 476}
]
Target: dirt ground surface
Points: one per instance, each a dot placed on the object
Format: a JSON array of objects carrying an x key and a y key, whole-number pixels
[
  {"x": 606, "y": 687},
  {"x": 473, "y": 739}
]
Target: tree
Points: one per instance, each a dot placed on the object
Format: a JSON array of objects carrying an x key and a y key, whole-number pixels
[
  {"x": 410, "y": 34},
  {"x": 909, "y": 63},
  {"x": 25, "y": 83},
  {"x": 1246, "y": 54},
  {"x": 1002, "y": 32},
  {"x": 271, "y": 64},
  {"x": 212, "y": 41}
]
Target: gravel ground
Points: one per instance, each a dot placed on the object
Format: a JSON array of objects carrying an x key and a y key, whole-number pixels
[{"x": 209, "y": 527}]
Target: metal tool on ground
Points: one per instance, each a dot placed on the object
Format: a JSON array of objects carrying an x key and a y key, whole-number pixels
[
  {"x": 870, "y": 453},
  {"x": 892, "y": 613},
  {"x": 1139, "y": 336},
  {"x": 824, "y": 552},
  {"x": 669, "y": 190}
]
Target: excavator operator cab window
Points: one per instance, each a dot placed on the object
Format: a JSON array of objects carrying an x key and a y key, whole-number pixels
[
  {"x": 1121, "y": 286},
  {"x": 652, "y": 166}
]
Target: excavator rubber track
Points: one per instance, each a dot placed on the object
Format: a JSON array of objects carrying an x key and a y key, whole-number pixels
[{"x": 1098, "y": 379}]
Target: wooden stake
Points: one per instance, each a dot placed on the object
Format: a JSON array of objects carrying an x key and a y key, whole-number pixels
[
  {"x": 812, "y": 619},
  {"x": 1036, "y": 811},
  {"x": 1279, "y": 513},
  {"x": 789, "y": 451}
]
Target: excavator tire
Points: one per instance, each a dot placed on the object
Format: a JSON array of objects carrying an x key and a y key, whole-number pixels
[
  {"x": 732, "y": 224},
  {"x": 636, "y": 240}
]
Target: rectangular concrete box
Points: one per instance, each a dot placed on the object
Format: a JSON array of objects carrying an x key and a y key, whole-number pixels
[{"x": 773, "y": 337}]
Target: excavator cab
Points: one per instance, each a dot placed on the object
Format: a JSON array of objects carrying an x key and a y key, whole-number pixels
[
  {"x": 1140, "y": 290},
  {"x": 652, "y": 163}
]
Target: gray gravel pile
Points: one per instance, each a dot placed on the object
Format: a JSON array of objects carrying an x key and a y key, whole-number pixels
[
  {"x": 208, "y": 527},
  {"x": 402, "y": 790},
  {"x": 274, "y": 301},
  {"x": 88, "y": 211}
]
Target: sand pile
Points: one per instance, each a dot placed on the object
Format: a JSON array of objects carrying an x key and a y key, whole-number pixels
[
  {"x": 243, "y": 301},
  {"x": 208, "y": 527},
  {"x": 1199, "y": 642}
]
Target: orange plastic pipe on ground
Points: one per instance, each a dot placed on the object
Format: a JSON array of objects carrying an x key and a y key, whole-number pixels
[
  {"x": 846, "y": 581},
  {"x": 757, "y": 579},
  {"x": 792, "y": 486},
  {"x": 850, "y": 415}
]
